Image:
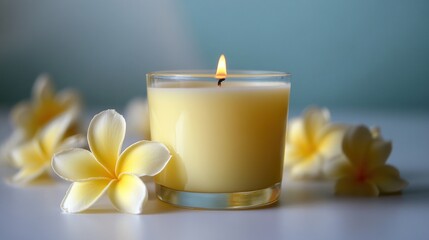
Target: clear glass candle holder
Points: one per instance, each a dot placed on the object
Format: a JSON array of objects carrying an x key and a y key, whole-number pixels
[{"x": 227, "y": 142}]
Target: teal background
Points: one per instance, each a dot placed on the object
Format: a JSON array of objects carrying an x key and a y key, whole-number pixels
[{"x": 359, "y": 54}]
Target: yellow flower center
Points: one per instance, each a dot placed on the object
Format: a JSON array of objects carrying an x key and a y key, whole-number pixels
[
  {"x": 46, "y": 113},
  {"x": 308, "y": 150}
]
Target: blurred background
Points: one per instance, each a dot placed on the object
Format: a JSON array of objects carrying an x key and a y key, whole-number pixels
[{"x": 367, "y": 54}]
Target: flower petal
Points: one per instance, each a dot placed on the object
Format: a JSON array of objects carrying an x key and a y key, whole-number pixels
[
  {"x": 29, "y": 155},
  {"x": 143, "y": 158},
  {"x": 15, "y": 139},
  {"x": 20, "y": 113},
  {"x": 68, "y": 98},
  {"x": 351, "y": 187},
  {"x": 28, "y": 174},
  {"x": 128, "y": 194},
  {"x": 296, "y": 134},
  {"x": 308, "y": 168},
  {"x": 43, "y": 88},
  {"x": 106, "y": 133},
  {"x": 75, "y": 141},
  {"x": 388, "y": 180},
  {"x": 330, "y": 140},
  {"x": 376, "y": 132},
  {"x": 292, "y": 155},
  {"x": 54, "y": 132},
  {"x": 82, "y": 195},
  {"x": 379, "y": 152},
  {"x": 314, "y": 120},
  {"x": 338, "y": 167},
  {"x": 356, "y": 143},
  {"x": 78, "y": 165}
]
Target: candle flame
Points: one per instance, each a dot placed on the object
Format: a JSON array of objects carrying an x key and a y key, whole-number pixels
[{"x": 221, "y": 68}]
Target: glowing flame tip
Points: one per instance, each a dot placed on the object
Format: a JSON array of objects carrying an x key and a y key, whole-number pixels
[{"x": 221, "y": 68}]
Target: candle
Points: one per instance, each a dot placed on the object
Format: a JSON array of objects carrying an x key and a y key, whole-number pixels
[{"x": 226, "y": 137}]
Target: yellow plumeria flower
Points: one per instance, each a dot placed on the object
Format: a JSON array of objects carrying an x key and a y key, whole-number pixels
[
  {"x": 366, "y": 173},
  {"x": 34, "y": 157},
  {"x": 137, "y": 115},
  {"x": 29, "y": 117},
  {"x": 106, "y": 169},
  {"x": 312, "y": 141}
]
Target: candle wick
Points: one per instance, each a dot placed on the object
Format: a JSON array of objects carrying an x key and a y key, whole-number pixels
[{"x": 219, "y": 83}]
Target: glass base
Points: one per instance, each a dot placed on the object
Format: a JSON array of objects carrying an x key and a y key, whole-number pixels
[{"x": 234, "y": 200}]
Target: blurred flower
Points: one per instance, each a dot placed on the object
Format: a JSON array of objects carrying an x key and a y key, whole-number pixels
[
  {"x": 312, "y": 142},
  {"x": 34, "y": 157},
  {"x": 29, "y": 117},
  {"x": 366, "y": 173},
  {"x": 137, "y": 115},
  {"x": 105, "y": 169}
]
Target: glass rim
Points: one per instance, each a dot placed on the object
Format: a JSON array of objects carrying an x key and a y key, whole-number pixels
[{"x": 212, "y": 74}]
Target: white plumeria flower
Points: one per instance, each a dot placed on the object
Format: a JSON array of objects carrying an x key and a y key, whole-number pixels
[
  {"x": 137, "y": 115},
  {"x": 104, "y": 168},
  {"x": 29, "y": 117},
  {"x": 34, "y": 157},
  {"x": 365, "y": 172},
  {"x": 312, "y": 142}
]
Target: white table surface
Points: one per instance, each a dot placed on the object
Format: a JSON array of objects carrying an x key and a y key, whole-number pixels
[{"x": 307, "y": 210}]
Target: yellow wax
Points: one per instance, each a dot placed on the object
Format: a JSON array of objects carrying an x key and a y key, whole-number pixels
[{"x": 223, "y": 139}]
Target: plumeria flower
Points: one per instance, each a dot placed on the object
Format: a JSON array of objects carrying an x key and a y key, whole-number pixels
[
  {"x": 312, "y": 142},
  {"x": 137, "y": 115},
  {"x": 366, "y": 172},
  {"x": 104, "y": 168},
  {"x": 34, "y": 157},
  {"x": 29, "y": 117}
]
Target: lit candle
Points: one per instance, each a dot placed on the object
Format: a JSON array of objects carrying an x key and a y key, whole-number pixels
[
  {"x": 221, "y": 70},
  {"x": 227, "y": 139}
]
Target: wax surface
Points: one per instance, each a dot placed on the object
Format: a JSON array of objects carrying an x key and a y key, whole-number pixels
[{"x": 224, "y": 139}]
